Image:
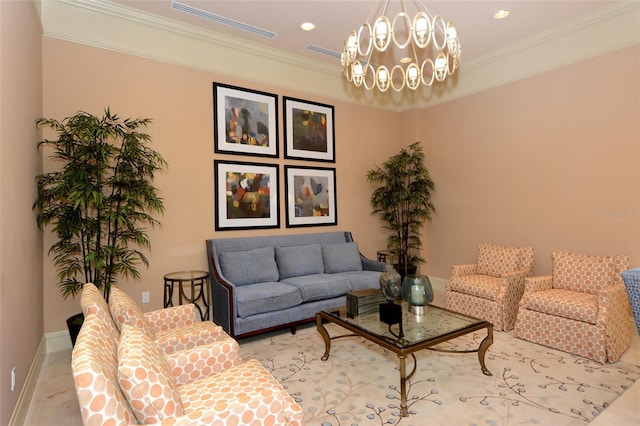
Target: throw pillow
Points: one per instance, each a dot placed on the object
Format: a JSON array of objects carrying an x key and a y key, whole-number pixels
[
  {"x": 582, "y": 272},
  {"x": 296, "y": 261},
  {"x": 496, "y": 260},
  {"x": 145, "y": 378},
  {"x": 250, "y": 266},
  {"x": 125, "y": 310},
  {"x": 341, "y": 258}
]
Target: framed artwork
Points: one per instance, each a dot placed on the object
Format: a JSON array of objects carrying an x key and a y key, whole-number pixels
[
  {"x": 245, "y": 121},
  {"x": 311, "y": 196},
  {"x": 246, "y": 195},
  {"x": 309, "y": 130}
]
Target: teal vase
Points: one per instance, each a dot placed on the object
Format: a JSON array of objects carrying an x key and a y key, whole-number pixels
[{"x": 417, "y": 292}]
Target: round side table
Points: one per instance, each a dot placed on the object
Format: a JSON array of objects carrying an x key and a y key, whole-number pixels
[{"x": 199, "y": 293}]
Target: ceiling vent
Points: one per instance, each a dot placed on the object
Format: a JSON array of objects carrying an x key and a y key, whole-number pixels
[
  {"x": 221, "y": 19},
  {"x": 323, "y": 51}
]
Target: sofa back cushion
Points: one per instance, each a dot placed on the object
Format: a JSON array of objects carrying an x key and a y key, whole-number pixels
[
  {"x": 125, "y": 311},
  {"x": 94, "y": 364},
  {"x": 298, "y": 261},
  {"x": 494, "y": 260},
  {"x": 145, "y": 378},
  {"x": 341, "y": 258},
  {"x": 249, "y": 266},
  {"x": 582, "y": 272}
]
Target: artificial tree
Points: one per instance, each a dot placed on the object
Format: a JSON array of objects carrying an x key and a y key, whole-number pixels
[
  {"x": 403, "y": 202},
  {"x": 100, "y": 199}
]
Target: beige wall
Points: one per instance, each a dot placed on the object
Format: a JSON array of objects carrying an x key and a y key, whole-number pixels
[
  {"x": 179, "y": 100},
  {"x": 21, "y": 315},
  {"x": 550, "y": 162}
]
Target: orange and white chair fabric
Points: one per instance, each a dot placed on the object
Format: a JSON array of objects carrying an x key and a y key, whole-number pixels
[
  {"x": 491, "y": 288},
  {"x": 94, "y": 365},
  {"x": 173, "y": 329},
  {"x": 581, "y": 308},
  {"x": 243, "y": 394}
]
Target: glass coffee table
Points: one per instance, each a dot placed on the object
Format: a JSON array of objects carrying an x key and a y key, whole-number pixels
[{"x": 437, "y": 325}]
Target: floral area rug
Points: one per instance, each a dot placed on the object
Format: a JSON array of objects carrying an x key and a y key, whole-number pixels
[{"x": 360, "y": 384}]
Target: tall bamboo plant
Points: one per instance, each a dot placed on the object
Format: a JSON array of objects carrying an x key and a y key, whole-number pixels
[
  {"x": 403, "y": 202},
  {"x": 100, "y": 200}
]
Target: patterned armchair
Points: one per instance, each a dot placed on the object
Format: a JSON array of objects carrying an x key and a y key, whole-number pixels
[
  {"x": 244, "y": 394},
  {"x": 582, "y": 308},
  {"x": 491, "y": 288},
  {"x": 173, "y": 329},
  {"x": 102, "y": 401}
]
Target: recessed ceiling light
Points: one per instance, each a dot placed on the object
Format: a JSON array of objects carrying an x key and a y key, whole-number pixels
[
  {"x": 501, "y": 14},
  {"x": 308, "y": 26}
]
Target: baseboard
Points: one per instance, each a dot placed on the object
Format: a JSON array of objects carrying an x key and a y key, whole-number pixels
[
  {"x": 20, "y": 411},
  {"x": 58, "y": 341}
]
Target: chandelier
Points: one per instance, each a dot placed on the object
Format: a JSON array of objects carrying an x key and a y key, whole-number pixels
[{"x": 402, "y": 52}]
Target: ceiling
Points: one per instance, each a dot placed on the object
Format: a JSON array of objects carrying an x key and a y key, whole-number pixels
[{"x": 479, "y": 32}]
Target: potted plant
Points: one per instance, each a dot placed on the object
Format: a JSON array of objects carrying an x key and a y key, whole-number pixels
[
  {"x": 403, "y": 202},
  {"x": 99, "y": 200}
]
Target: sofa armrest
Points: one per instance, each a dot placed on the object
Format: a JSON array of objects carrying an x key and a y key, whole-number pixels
[
  {"x": 203, "y": 361},
  {"x": 535, "y": 284},
  {"x": 461, "y": 270},
  {"x": 222, "y": 293},
  {"x": 371, "y": 265},
  {"x": 172, "y": 317}
]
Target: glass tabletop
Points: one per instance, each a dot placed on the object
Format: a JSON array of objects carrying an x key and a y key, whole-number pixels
[{"x": 434, "y": 324}]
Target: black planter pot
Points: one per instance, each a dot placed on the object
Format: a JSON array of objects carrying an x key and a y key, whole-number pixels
[{"x": 74, "y": 323}]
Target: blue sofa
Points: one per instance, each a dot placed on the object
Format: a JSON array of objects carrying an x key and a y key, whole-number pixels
[{"x": 265, "y": 283}]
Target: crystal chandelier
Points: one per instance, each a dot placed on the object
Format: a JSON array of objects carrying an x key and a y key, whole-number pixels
[{"x": 401, "y": 52}]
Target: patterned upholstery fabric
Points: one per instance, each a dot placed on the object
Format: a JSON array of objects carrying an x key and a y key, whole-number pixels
[
  {"x": 491, "y": 288},
  {"x": 243, "y": 394},
  {"x": 94, "y": 363},
  {"x": 581, "y": 311},
  {"x": 631, "y": 280},
  {"x": 174, "y": 329}
]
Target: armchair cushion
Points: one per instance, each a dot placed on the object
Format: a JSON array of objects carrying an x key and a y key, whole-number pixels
[
  {"x": 341, "y": 258},
  {"x": 125, "y": 311},
  {"x": 582, "y": 272},
  {"x": 296, "y": 261},
  {"x": 564, "y": 303},
  {"x": 494, "y": 260},
  {"x": 484, "y": 286},
  {"x": 145, "y": 378},
  {"x": 249, "y": 266}
]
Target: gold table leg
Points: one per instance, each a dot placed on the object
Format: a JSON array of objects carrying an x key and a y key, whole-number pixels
[
  {"x": 484, "y": 345},
  {"x": 325, "y": 336}
]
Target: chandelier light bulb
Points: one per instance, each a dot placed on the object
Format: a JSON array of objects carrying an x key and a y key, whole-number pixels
[{"x": 417, "y": 52}]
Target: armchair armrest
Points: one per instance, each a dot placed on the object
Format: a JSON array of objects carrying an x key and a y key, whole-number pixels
[
  {"x": 613, "y": 316},
  {"x": 541, "y": 283},
  {"x": 172, "y": 317},
  {"x": 460, "y": 270},
  {"x": 203, "y": 361},
  {"x": 197, "y": 334}
]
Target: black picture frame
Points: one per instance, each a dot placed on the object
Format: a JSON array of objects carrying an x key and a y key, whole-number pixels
[
  {"x": 311, "y": 198},
  {"x": 245, "y": 121},
  {"x": 246, "y": 195},
  {"x": 309, "y": 130}
]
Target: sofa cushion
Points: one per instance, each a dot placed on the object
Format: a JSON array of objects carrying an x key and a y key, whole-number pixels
[
  {"x": 482, "y": 286},
  {"x": 496, "y": 260},
  {"x": 296, "y": 261},
  {"x": 582, "y": 272},
  {"x": 145, "y": 378},
  {"x": 362, "y": 280},
  {"x": 341, "y": 258},
  {"x": 250, "y": 266},
  {"x": 258, "y": 298},
  {"x": 319, "y": 286}
]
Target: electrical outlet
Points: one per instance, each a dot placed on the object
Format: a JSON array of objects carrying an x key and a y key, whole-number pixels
[
  {"x": 145, "y": 297},
  {"x": 13, "y": 379}
]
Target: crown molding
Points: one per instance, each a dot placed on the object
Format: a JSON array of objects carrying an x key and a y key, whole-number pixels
[{"x": 113, "y": 26}]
